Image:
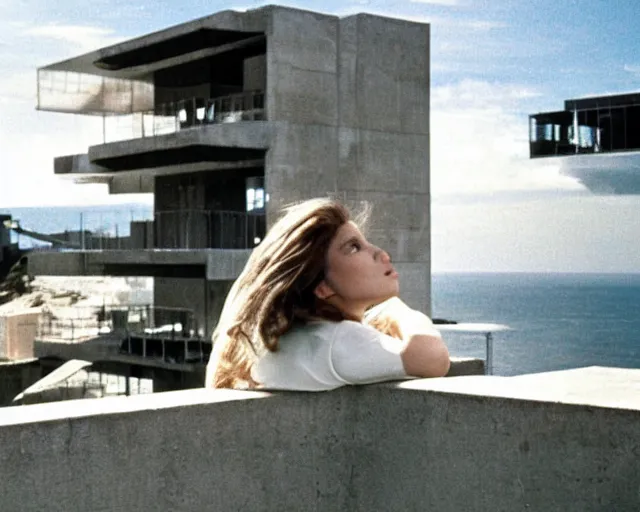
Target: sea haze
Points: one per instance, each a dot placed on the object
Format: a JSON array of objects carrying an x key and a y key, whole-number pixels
[{"x": 559, "y": 321}]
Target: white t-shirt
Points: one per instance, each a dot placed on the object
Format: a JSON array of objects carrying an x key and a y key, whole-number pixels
[{"x": 323, "y": 355}]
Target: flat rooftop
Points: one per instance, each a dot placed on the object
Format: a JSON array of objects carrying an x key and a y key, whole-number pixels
[
  {"x": 603, "y": 101},
  {"x": 220, "y": 32}
]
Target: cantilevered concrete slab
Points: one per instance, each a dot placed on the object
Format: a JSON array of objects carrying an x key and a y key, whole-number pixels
[
  {"x": 139, "y": 181},
  {"x": 139, "y": 57},
  {"x": 211, "y": 264},
  {"x": 247, "y": 140}
]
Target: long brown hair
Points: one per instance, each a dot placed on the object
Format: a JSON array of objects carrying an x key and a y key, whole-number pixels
[{"x": 275, "y": 290}]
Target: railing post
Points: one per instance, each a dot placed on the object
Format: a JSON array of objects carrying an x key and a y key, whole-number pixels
[
  {"x": 222, "y": 229},
  {"x": 156, "y": 230},
  {"x": 246, "y": 230},
  {"x": 82, "y": 236},
  {"x": 489, "y": 339},
  {"x": 187, "y": 230}
]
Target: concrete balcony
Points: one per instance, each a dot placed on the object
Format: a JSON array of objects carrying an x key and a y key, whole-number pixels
[
  {"x": 190, "y": 135},
  {"x": 183, "y": 229},
  {"x": 210, "y": 264},
  {"x": 151, "y": 336},
  {"x": 558, "y": 441},
  {"x": 209, "y": 244},
  {"x": 220, "y": 131}
]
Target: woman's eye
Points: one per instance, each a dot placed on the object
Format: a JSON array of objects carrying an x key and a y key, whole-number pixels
[{"x": 354, "y": 247}]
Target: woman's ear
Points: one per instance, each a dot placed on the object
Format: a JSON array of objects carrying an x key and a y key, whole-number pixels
[{"x": 323, "y": 291}]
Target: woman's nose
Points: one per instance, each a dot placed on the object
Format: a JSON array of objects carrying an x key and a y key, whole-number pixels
[{"x": 382, "y": 256}]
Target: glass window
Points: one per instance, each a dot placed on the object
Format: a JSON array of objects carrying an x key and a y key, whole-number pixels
[{"x": 251, "y": 197}]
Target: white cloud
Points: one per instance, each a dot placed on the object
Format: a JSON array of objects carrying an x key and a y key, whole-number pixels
[
  {"x": 83, "y": 38},
  {"x": 30, "y": 140},
  {"x": 632, "y": 68},
  {"x": 479, "y": 142},
  {"x": 29, "y": 147},
  {"x": 18, "y": 87}
]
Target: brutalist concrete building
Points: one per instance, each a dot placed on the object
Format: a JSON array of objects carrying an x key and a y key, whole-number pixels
[{"x": 228, "y": 118}]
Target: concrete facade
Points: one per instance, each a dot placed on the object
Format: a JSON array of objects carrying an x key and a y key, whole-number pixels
[
  {"x": 351, "y": 116},
  {"x": 565, "y": 442}
]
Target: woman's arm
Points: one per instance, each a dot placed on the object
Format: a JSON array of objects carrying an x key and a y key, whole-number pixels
[{"x": 424, "y": 353}]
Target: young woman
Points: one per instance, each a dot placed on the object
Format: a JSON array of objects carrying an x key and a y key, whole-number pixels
[{"x": 297, "y": 319}]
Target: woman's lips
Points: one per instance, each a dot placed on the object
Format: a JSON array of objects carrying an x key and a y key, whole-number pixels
[{"x": 391, "y": 273}]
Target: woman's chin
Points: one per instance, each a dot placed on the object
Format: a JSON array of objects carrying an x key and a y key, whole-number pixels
[{"x": 394, "y": 292}]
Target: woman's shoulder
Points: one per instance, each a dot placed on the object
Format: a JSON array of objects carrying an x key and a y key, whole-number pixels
[{"x": 328, "y": 329}]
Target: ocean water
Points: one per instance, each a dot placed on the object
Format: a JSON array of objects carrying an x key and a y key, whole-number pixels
[{"x": 558, "y": 321}]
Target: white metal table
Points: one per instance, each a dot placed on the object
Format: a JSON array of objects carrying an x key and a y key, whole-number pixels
[{"x": 477, "y": 328}]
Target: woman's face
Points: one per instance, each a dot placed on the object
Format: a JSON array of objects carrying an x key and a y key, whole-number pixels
[{"x": 358, "y": 274}]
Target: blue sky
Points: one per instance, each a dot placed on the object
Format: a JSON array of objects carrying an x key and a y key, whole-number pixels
[{"x": 493, "y": 63}]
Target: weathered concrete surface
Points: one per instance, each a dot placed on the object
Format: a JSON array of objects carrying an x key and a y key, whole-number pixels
[
  {"x": 466, "y": 366},
  {"x": 348, "y": 100},
  {"x": 387, "y": 447}
]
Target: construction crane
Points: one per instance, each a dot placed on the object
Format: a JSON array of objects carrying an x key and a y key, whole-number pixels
[{"x": 57, "y": 243}]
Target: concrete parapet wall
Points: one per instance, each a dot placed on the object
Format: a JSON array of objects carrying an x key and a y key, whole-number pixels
[{"x": 422, "y": 445}]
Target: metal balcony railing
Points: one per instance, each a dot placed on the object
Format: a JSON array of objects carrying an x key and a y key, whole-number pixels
[
  {"x": 79, "y": 324},
  {"x": 170, "y": 335},
  {"x": 175, "y": 229},
  {"x": 199, "y": 229},
  {"x": 185, "y": 114},
  {"x": 182, "y": 229}
]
